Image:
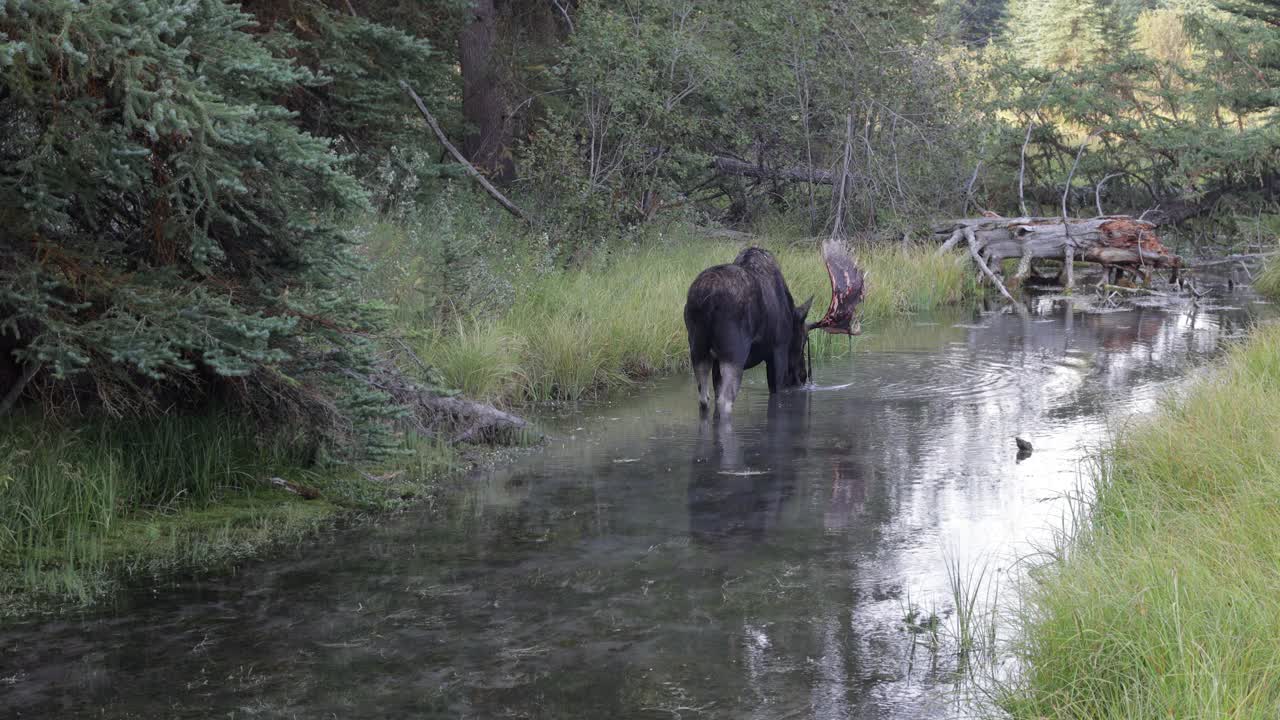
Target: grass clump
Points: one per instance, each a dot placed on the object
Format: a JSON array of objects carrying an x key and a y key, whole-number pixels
[
  {"x": 83, "y": 509},
  {"x": 1268, "y": 281},
  {"x": 1167, "y": 603}
]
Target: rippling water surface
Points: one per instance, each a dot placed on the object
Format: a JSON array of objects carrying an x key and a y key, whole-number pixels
[{"x": 651, "y": 563}]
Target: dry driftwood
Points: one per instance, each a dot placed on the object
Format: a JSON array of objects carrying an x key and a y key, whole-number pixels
[
  {"x": 289, "y": 486},
  {"x": 982, "y": 265},
  {"x": 1116, "y": 242}
]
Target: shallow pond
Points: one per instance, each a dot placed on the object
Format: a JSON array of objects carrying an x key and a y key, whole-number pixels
[{"x": 650, "y": 563}]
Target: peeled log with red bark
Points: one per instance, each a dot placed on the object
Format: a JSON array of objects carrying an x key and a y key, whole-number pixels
[{"x": 1117, "y": 241}]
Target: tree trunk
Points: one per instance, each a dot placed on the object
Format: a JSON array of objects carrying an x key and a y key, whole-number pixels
[
  {"x": 489, "y": 147},
  {"x": 1119, "y": 242}
]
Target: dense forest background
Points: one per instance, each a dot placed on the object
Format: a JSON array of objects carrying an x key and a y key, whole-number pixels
[{"x": 204, "y": 201}]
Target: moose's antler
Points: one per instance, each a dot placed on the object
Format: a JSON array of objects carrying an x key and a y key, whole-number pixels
[{"x": 847, "y": 285}]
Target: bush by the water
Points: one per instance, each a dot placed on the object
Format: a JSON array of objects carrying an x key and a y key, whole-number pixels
[
  {"x": 1167, "y": 604},
  {"x": 168, "y": 227}
]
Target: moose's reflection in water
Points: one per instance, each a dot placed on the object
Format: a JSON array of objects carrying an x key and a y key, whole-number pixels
[{"x": 739, "y": 482}]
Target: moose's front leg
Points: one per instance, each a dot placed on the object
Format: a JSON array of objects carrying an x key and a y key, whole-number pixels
[{"x": 777, "y": 369}]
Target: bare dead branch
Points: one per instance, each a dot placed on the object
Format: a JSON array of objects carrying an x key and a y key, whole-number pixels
[
  {"x": 982, "y": 265},
  {"x": 1022, "y": 170},
  {"x": 837, "y": 228},
  {"x": 742, "y": 168},
  {"x": 11, "y": 398},
  {"x": 471, "y": 169},
  {"x": 565, "y": 14},
  {"x": 1097, "y": 191}
]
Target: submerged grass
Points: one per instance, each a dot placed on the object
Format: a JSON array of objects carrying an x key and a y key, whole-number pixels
[
  {"x": 83, "y": 509},
  {"x": 1167, "y": 602},
  {"x": 568, "y": 335}
]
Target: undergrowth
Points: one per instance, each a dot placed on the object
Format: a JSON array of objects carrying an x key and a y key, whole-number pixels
[{"x": 1268, "y": 282}]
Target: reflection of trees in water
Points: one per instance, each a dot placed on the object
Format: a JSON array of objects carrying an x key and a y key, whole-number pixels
[
  {"x": 1131, "y": 352},
  {"x": 879, "y": 470}
]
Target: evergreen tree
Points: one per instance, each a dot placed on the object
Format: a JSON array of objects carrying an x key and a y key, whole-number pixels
[
  {"x": 1246, "y": 62},
  {"x": 358, "y": 57},
  {"x": 1055, "y": 34},
  {"x": 972, "y": 22},
  {"x": 163, "y": 219}
]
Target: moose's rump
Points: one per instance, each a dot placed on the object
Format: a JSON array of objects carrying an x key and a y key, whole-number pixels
[{"x": 726, "y": 313}]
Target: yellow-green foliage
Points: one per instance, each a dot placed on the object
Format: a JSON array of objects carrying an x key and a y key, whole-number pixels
[
  {"x": 1168, "y": 603},
  {"x": 570, "y": 334}
]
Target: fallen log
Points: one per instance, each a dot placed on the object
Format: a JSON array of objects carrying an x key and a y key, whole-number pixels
[
  {"x": 430, "y": 414},
  {"x": 1118, "y": 242}
]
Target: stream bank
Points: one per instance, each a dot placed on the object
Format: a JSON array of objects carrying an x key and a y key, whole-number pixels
[{"x": 1162, "y": 601}]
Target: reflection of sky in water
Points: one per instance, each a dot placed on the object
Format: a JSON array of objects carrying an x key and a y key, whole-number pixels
[{"x": 649, "y": 564}]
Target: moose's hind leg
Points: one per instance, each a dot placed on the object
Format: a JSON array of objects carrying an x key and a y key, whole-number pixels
[
  {"x": 727, "y": 389},
  {"x": 702, "y": 373},
  {"x": 702, "y": 360}
]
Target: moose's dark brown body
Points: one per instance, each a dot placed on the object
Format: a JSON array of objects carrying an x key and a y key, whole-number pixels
[{"x": 738, "y": 316}]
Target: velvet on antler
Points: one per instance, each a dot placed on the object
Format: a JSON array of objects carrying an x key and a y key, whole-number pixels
[{"x": 848, "y": 283}]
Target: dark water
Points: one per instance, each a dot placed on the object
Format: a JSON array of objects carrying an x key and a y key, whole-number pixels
[{"x": 651, "y": 564}]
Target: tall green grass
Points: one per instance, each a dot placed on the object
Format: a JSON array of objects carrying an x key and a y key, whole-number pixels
[
  {"x": 82, "y": 506},
  {"x": 1268, "y": 282},
  {"x": 571, "y": 334},
  {"x": 1167, "y": 602},
  {"x": 64, "y": 491},
  {"x": 54, "y": 480}
]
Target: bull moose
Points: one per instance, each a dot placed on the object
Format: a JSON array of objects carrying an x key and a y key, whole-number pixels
[{"x": 741, "y": 314}]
